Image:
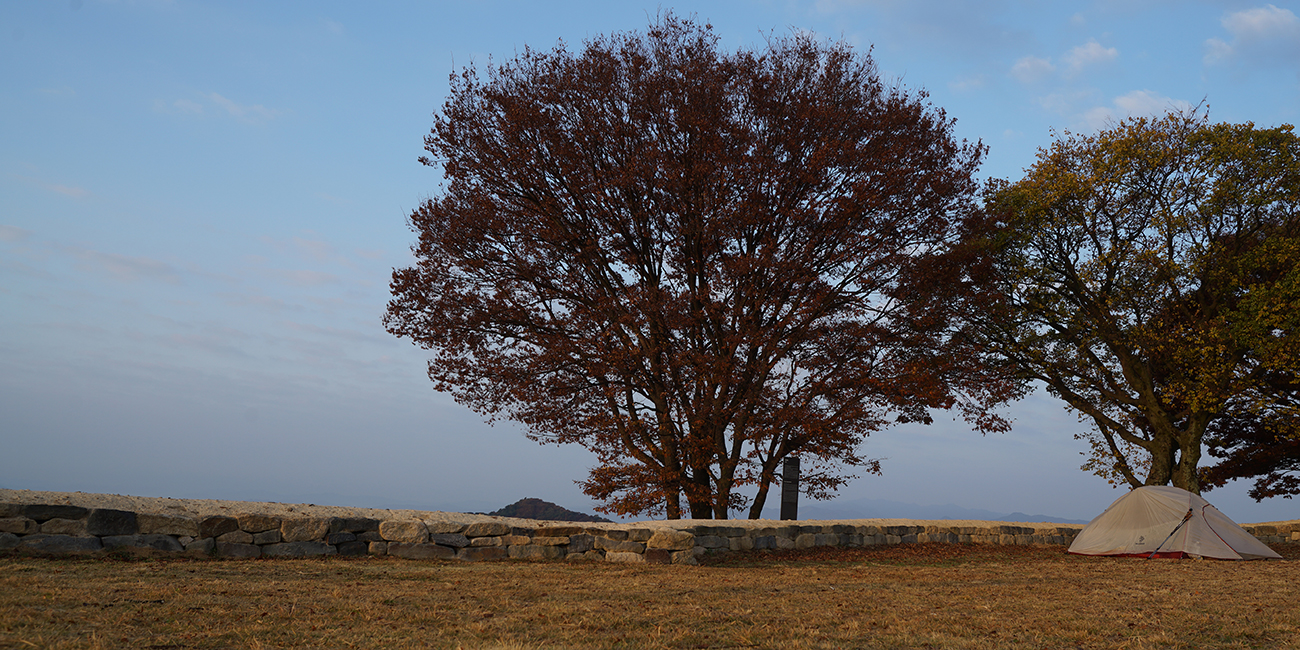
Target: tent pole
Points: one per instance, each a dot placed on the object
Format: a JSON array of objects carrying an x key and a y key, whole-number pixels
[{"x": 1186, "y": 518}]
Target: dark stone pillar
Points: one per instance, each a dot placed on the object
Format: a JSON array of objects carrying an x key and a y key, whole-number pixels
[{"x": 790, "y": 487}]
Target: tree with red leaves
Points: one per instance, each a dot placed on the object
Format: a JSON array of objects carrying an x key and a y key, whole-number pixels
[{"x": 697, "y": 263}]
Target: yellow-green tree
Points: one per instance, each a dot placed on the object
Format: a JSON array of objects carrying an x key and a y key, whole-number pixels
[{"x": 1152, "y": 275}]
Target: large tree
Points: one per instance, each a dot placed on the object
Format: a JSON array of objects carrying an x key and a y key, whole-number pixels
[
  {"x": 1152, "y": 283},
  {"x": 696, "y": 263}
]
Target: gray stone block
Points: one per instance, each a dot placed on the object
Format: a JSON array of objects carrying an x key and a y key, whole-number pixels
[
  {"x": 340, "y": 538},
  {"x": 420, "y": 551},
  {"x": 673, "y": 540},
  {"x": 487, "y": 529},
  {"x": 370, "y": 535},
  {"x": 205, "y": 546},
  {"x": 353, "y": 524},
  {"x": 153, "y": 542},
  {"x": 352, "y": 549},
  {"x": 267, "y": 537},
  {"x": 536, "y": 552},
  {"x": 43, "y": 512},
  {"x": 8, "y": 541},
  {"x": 454, "y": 540},
  {"x": 444, "y": 527},
  {"x": 406, "y": 531},
  {"x": 258, "y": 523},
  {"x": 641, "y": 534},
  {"x": 581, "y": 543},
  {"x": 59, "y": 544},
  {"x": 304, "y": 529},
  {"x": 74, "y": 527},
  {"x": 167, "y": 525},
  {"x": 551, "y": 541},
  {"x": 741, "y": 543},
  {"x": 231, "y": 549},
  {"x": 19, "y": 526},
  {"x": 378, "y": 549},
  {"x": 217, "y": 525},
  {"x": 297, "y": 549},
  {"x": 708, "y": 541},
  {"x": 606, "y": 544},
  {"x": 235, "y": 537},
  {"x": 10, "y": 510},
  {"x": 559, "y": 531},
  {"x": 486, "y": 541},
  {"x": 105, "y": 521}
]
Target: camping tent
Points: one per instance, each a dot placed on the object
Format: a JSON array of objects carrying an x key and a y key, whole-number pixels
[{"x": 1140, "y": 522}]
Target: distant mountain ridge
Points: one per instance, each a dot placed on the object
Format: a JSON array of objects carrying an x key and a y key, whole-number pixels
[
  {"x": 881, "y": 509},
  {"x": 531, "y": 508}
]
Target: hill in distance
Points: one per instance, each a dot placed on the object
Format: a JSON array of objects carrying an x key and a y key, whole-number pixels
[{"x": 545, "y": 510}]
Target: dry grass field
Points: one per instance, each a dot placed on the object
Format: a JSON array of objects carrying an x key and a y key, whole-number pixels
[{"x": 911, "y": 596}]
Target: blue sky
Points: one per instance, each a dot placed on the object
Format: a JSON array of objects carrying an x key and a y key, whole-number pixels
[{"x": 201, "y": 204}]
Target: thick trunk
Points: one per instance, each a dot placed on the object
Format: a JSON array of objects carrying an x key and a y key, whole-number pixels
[
  {"x": 698, "y": 495},
  {"x": 1162, "y": 462},
  {"x": 673, "y": 503},
  {"x": 1185, "y": 475}
]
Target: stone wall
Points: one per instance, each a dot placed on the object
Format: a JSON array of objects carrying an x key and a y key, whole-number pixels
[{"x": 70, "y": 529}]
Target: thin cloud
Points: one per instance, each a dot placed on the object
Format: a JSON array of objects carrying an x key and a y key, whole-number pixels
[
  {"x": 1267, "y": 33},
  {"x": 245, "y": 112},
  {"x": 1138, "y": 103},
  {"x": 205, "y": 104},
  {"x": 187, "y": 106},
  {"x": 62, "y": 91},
  {"x": 967, "y": 83},
  {"x": 1090, "y": 53},
  {"x": 306, "y": 278},
  {"x": 127, "y": 269},
  {"x": 13, "y": 233},
  {"x": 1032, "y": 69},
  {"x": 66, "y": 190}
]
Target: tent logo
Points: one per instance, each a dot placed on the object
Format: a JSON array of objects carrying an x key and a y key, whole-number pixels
[{"x": 1142, "y": 539}]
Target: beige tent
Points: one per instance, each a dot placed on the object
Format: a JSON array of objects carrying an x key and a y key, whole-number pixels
[{"x": 1167, "y": 522}]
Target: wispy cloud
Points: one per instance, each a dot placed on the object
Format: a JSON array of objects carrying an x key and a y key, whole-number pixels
[
  {"x": 204, "y": 104},
  {"x": 126, "y": 268},
  {"x": 1139, "y": 103},
  {"x": 13, "y": 233},
  {"x": 1088, "y": 54},
  {"x": 187, "y": 106},
  {"x": 246, "y": 112},
  {"x": 1032, "y": 69},
  {"x": 61, "y": 91},
  {"x": 306, "y": 278},
  {"x": 66, "y": 190},
  {"x": 1269, "y": 33},
  {"x": 968, "y": 83}
]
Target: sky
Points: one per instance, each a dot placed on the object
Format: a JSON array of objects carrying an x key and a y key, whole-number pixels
[{"x": 201, "y": 204}]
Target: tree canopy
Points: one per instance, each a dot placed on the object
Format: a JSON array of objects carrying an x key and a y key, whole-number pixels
[
  {"x": 696, "y": 263},
  {"x": 1153, "y": 284}
]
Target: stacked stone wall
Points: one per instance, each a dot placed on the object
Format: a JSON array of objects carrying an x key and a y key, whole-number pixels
[{"x": 68, "y": 529}]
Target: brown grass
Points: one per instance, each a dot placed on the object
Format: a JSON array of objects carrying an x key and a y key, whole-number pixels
[{"x": 913, "y": 596}]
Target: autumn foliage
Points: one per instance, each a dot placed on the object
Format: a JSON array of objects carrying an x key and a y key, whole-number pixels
[
  {"x": 696, "y": 263},
  {"x": 1153, "y": 276}
]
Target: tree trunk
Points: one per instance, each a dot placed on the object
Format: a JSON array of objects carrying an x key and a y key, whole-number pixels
[
  {"x": 673, "y": 503},
  {"x": 1162, "y": 461},
  {"x": 1185, "y": 475}
]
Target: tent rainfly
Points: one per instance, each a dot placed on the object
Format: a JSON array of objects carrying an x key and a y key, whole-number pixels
[{"x": 1164, "y": 521}]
